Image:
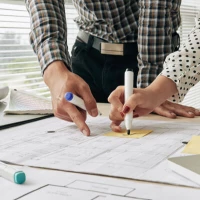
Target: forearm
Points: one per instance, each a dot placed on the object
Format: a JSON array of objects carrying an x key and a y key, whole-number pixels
[
  {"x": 48, "y": 34},
  {"x": 162, "y": 88},
  {"x": 54, "y": 72},
  {"x": 154, "y": 38}
]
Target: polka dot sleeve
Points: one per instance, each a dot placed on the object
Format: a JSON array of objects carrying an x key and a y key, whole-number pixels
[{"x": 183, "y": 66}]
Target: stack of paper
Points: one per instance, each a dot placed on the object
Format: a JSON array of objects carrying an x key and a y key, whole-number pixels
[{"x": 22, "y": 102}]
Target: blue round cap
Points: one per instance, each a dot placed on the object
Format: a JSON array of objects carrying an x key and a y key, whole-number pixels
[
  {"x": 19, "y": 177},
  {"x": 68, "y": 96}
]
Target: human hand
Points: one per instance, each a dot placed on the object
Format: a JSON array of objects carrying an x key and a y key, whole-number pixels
[
  {"x": 136, "y": 103},
  {"x": 172, "y": 110},
  {"x": 143, "y": 102},
  {"x": 60, "y": 80}
]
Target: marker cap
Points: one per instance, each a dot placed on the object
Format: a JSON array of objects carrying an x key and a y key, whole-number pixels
[
  {"x": 68, "y": 96},
  {"x": 19, "y": 177},
  {"x": 129, "y": 69}
]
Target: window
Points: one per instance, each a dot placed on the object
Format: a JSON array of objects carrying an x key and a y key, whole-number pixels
[
  {"x": 18, "y": 64},
  {"x": 189, "y": 10}
]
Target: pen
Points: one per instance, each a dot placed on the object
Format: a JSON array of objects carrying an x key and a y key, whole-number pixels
[
  {"x": 12, "y": 174},
  {"x": 128, "y": 92},
  {"x": 77, "y": 101}
]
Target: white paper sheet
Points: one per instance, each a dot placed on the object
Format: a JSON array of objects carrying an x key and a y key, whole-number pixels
[{"x": 67, "y": 149}]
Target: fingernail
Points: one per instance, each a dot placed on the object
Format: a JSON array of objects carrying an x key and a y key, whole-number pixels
[
  {"x": 173, "y": 114},
  {"x": 126, "y": 110},
  {"x": 122, "y": 114},
  {"x": 85, "y": 132},
  {"x": 94, "y": 112},
  {"x": 135, "y": 116},
  {"x": 190, "y": 113}
]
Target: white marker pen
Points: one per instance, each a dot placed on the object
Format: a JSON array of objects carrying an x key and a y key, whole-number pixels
[
  {"x": 128, "y": 92},
  {"x": 12, "y": 174},
  {"x": 77, "y": 101}
]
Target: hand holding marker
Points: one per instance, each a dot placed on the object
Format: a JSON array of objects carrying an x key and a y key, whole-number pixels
[{"x": 77, "y": 101}]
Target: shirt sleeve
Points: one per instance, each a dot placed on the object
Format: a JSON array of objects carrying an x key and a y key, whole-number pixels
[
  {"x": 155, "y": 29},
  {"x": 48, "y": 34},
  {"x": 183, "y": 66}
]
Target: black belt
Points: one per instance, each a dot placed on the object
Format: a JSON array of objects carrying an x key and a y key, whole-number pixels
[{"x": 108, "y": 48}]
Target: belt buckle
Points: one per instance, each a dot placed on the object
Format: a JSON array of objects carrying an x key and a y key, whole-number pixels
[{"x": 112, "y": 49}]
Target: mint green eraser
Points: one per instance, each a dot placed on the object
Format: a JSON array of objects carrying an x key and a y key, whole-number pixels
[{"x": 19, "y": 177}]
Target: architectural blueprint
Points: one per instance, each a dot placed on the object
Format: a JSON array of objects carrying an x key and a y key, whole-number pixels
[{"x": 53, "y": 143}]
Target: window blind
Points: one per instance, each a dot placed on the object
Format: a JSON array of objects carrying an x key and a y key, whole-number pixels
[
  {"x": 189, "y": 10},
  {"x": 19, "y": 67}
]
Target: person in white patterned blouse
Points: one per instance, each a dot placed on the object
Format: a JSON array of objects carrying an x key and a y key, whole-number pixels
[{"x": 181, "y": 72}]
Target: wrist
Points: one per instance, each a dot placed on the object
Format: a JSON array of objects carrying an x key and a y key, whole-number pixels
[
  {"x": 54, "y": 72},
  {"x": 162, "y": 88}
]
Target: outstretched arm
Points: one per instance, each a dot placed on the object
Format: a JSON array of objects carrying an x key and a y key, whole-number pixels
[
  {"x": 49, "y": 40},
  {"x": 181, "y": 71}
]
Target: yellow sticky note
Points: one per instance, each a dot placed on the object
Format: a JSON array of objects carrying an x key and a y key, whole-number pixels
[
  {"x": 193, "y": 146},
  {"x": 133, "y": 134}
]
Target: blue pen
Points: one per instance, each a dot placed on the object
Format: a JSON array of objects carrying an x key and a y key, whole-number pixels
[{"x": 77, "y": 101}]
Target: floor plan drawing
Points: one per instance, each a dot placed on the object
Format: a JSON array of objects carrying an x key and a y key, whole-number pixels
[{"x": 59, "y": 145}]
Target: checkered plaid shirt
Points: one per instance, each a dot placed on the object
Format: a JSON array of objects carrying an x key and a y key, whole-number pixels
[{"x": 150, "y": 23}]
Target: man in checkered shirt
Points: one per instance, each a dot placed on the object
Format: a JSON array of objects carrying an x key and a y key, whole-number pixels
[{"x": 113, "y": 36}]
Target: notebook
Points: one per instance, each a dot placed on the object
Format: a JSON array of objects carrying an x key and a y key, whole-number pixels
[
  {"x": 22, "y": 102},
  {"x": 187, "y": 166}
]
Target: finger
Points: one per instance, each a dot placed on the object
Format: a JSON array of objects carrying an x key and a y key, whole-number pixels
[
  {"x": 115, "y": 126},
  {"x": 181, "y": 110},
  {"x": 130, "y": 104},
  {"x": 57, "y": 104},
  {"x": 115, "y": 98},
  {"x": 89, "y": 100},
  {"x": 62, "y": 109},
  {"x": 184, "y": 113},
  {"x": 190, "y": 111},
  {"x": 60, "y": 106},
  {"x": 135, "y": 115},
  {"x": 115, "y": 115},
  {"x": 164, "y": 112},
  {"x": 63, "y": 117},
  {"x": 78, "y": 118},
  {"x": 197, "y": 112}
]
